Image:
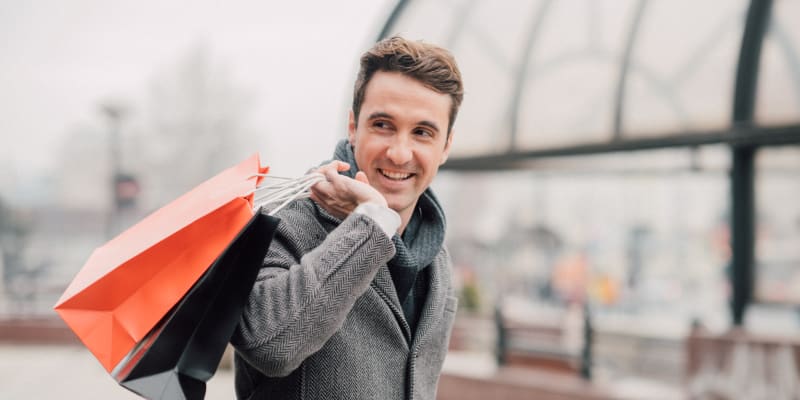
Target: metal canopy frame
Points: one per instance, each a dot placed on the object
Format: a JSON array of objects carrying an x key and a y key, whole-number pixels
[
  {"x": 739, "y": 136},
  {"x": 743, "y": 171}
]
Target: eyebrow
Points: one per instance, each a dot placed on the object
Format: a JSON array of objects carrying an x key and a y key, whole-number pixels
[{"x": 381, "y": 114}]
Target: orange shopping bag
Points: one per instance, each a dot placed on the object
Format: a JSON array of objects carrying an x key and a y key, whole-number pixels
[{"x": 131, "y": 282}]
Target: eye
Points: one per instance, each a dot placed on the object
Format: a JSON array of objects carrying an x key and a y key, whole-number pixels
[
  {"x": 381, "y": 124},
  {"x": 423, "y": 132}
]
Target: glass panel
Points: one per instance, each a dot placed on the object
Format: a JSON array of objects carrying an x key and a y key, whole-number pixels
[
  {"x": 644, "y": 237},
  {"x": 500, "y": 29},
  {"x": 488, "y": 54},
  {"x": 683, "y": 66},
  {"x": 482, "y": 124},
  {"x": 778, "y": 225},
  {"x": 431, "y": 21},
  {"x": 571, "y": 80},
  {"x": 778, "y": 99},
  {"x": 570, "y": 104}
]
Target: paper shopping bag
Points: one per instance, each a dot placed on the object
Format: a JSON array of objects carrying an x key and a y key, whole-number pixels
[
  {"x": 129, "y": 284},
  {"x": 182, "y": 353}
]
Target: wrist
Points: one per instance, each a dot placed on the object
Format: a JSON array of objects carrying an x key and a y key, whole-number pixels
[
  {"x": 374, "y": 198},
  {"x": 388, "y": 219}
]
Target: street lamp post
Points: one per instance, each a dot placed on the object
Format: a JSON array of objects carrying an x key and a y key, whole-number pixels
[{"x": 114, "y": 113}]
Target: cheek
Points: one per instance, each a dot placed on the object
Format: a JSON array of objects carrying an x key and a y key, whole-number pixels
[
  {"x": 431, "y": 160},
  {"x": 365, "y": 153},
  {"x": 372, "y": 148}
]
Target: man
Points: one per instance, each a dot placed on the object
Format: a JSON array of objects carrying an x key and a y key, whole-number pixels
[{"x": 354, "y": 300}]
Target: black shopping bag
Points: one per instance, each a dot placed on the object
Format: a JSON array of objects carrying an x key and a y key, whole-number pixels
[{"x": 178, "y": 357}]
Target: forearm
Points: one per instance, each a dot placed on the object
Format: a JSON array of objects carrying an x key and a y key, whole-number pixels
[{"x": 296, "y": 306}]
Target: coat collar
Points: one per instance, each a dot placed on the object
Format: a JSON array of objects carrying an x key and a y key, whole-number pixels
[{"x": 435, "y": 300}]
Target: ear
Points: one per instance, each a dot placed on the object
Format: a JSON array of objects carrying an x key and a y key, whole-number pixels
[
  {"x": 351, "y": 128},
  {"x": 447, "y": 146}
]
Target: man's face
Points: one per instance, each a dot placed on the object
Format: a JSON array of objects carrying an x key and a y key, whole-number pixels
[{"x": 401, "y": 137}]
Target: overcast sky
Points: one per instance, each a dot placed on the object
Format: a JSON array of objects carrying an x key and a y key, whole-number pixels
[{"x": 59, "y": 60}]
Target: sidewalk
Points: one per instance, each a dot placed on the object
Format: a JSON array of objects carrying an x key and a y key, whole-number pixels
[{"x": 71, "y": 372}]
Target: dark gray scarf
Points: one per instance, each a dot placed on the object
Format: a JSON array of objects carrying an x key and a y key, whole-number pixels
[{"x": 415, "y": 250}]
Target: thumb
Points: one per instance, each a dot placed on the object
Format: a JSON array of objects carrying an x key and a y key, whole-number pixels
[
  {"x": 362, "y": 177},
  {"x": 342, "y": 166}
]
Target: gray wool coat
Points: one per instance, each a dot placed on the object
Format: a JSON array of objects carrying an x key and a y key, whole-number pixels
[{"x": 324, "y": 321}]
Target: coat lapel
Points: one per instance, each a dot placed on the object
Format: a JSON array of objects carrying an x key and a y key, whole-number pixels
[
  {"x": 435, "y": 301},
  {"x": 384, "y": 286}
]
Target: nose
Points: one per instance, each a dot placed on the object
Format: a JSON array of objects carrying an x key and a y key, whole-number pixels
[{"x": 399, "y": 151}]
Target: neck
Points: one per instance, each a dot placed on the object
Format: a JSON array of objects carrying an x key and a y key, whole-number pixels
[{"x": 405, "y": 217}]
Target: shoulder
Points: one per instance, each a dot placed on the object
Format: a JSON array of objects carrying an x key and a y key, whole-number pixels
[
  {"x": 300, "y": 225},
  {"x": 298, "y": 211},
  {"x": 445, "y": 266},
  {"x": 304, "y": 226},
  {"x": 442, "y": 257}
]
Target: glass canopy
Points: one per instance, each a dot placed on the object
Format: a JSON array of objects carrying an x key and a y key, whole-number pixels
[{"x": 552, "y": 77}]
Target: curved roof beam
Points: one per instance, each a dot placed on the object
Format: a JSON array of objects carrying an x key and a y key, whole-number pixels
[
  {"x": 786, "y": 45},
  {"x": 539, "y": 17},
  {"x": 744, "y": 94},
  {"x": 389, "y": 25},
  {"x": 623, "y": 70}
]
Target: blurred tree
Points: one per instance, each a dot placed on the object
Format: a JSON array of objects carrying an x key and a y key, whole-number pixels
[
  {"x": 192, "y": 122},
  {"x": 196, "y": 124},
  {"x": 14, "y": 232},
  {"x": 83, "y": 170}
]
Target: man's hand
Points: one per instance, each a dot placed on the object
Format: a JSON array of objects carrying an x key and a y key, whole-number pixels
[{"x": 340, "y": 195}]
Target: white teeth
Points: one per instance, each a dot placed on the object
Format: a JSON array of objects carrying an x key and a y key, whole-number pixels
[{"x": 395, "y": 175}]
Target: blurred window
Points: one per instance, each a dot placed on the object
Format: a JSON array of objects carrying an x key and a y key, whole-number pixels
[
  {"x": 644, "y": 237},
  {"x": 778, "y": 225}
]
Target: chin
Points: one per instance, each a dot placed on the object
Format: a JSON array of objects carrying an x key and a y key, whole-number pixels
[{"x": 398, "y": 205}]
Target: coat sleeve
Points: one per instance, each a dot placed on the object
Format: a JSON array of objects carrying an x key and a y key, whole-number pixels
[{"x": 303, "y": 294}]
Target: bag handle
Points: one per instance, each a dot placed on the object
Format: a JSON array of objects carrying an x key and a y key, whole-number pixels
[{"x": 288, "y": 190}]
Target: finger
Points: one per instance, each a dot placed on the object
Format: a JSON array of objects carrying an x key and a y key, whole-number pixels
[
  {"x": 362, "y": 177},
  {"x": 318, "y": 186},
  {"x": 330, "y": 174},
  {"x": 342, "y": 166},
  {"x": 333, "y": 165},
  {"x": 336, "y": 165},
  {"x": 323, "y": 190},
  {"x": 320, "y": 197}
]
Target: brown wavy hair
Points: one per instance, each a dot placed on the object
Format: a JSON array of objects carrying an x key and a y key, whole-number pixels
[{"x": 429, "y": 64}]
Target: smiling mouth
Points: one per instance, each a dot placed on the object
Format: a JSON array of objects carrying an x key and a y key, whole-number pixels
[{"x": 395, "y": 175}]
